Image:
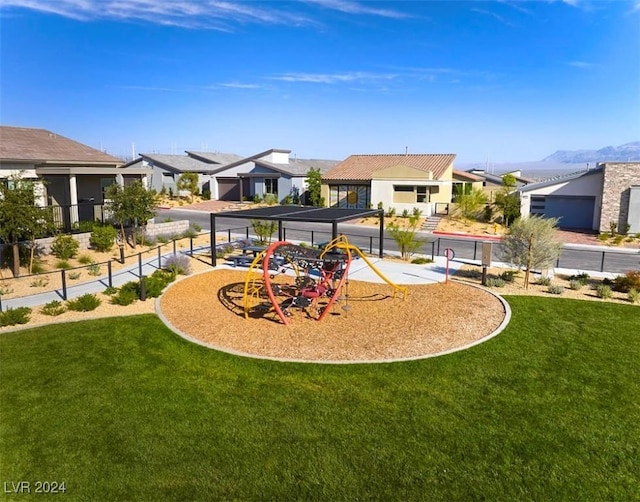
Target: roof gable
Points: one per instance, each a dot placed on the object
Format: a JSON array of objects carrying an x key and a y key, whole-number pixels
[{"x": 401, "y": 172}]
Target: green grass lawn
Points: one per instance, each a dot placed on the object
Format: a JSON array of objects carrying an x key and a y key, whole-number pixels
[{"x": 125, "y": 410}]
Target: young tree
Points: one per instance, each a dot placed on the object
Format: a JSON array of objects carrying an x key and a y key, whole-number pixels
[
  {"x": 314, "y": 187},
  {"x": 406, "y": 238},
  {"x": 264, "y": 230},
  {"x": 507, "y": 200},
  {"x": 531, "y": 243},
  {"x": 132, "y": 205},
  {"x": 469, "y": 204},
  {"x": 20, "y": 218},
  {"x": 189, "y": 182}
]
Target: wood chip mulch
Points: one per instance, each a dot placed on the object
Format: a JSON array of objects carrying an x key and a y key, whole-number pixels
[{"x": 373, "y": 326}]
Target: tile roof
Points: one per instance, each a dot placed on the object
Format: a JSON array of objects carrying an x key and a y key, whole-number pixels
[
  {"x": 40, "y": 145},
  {"x": 361, "y": 167},
  {"x": 466, "y": 175}
]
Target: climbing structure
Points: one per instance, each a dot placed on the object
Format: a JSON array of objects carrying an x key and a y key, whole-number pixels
[{"x": 286, "y": 277}]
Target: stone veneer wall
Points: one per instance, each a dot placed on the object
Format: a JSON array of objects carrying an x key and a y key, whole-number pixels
[
  {"x": 618, "y": 178},
  {"x": 169, "y": 229}
]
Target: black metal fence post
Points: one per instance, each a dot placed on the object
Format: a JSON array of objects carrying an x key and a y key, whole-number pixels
[
  {"x": 312, "y": 239},
  {"x": 229, "y": 235},
  {"x": 475, "y": 249},
  {"x": 246, "y": 232},
  {"x": 139, "y": 264},
  {"x": 143, "y": 288},
  {"x": 602, "y": 262},
  {"x": 110, "y": 274},
  {"x": 371, "y": 244},
  {"x": 191, "y": 246},
  {"x": 284, "y": 233},
  {"x": 433, "y": 250},
  {"x": 160, "y": 256},
  {"x": 174, "y": 247},
  {"x": 64, "y": 284}
]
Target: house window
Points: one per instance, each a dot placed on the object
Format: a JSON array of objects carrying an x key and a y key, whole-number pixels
[
  {"x": 422, "y": 195},
  {"x": 105, "y": 183},
  {"x": 271, "y": 186},
  {"x": 404, "y": 194},
  {"x": 350, "y": 196}
]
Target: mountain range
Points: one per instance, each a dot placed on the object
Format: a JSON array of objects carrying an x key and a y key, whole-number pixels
[{"x": 623, "y": 153}]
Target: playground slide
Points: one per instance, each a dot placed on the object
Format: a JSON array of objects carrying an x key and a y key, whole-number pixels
[{"x": 396, "y": 288}]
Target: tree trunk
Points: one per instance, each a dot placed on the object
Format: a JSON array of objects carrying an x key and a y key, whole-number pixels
[{"x": 16, "y": 259}]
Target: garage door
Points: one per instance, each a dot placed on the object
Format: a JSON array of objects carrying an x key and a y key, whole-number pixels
[
  {"x": 573, "y": 212},
  {"x": 229, "y": 189}
]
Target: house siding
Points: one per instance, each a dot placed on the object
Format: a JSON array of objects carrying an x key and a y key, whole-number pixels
[{"x": 616, "y": 190}]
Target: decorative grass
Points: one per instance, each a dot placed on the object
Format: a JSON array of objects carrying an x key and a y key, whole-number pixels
[{"x": 122, "y": 409}]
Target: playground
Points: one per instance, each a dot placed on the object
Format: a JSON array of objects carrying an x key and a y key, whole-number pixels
[{"x": 306, "y": 307}]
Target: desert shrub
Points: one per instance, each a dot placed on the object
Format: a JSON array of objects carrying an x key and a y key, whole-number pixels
[
  {"x": 405, "y": 213},
  {"x": 64, "y": 247},
  {"x": 94, "y": 269},
  {"x": 19, "y": 315},
  {"x": 575, "y": 284},
  {"x": 543, "y": 281},
  {"x": 178, "y": 264},
  {"x": 508, "y": 275},
  {"x": 604, "y": 291},
  {"x": 618, "y": 239},
  {"x": 40, "y": 282},
  {"x": 270, "y": 199},
  {"x": 162, "y": 238},
  {"x": 582, "y": 278},
  {"x": 103, "y": 238},
  {"x": 391, "y": 212},
  {"x": 63, "y": 264},
  {"x": 196, "y": 227},
  {"x": 85, "y": 259},
  {"x": 126, "y": 295},
  {"x": 417, "y": 212},
  {"x": 157, "y": 281},
  {"x": 257, "y": 199},
  {"x": 110, "y": 290},
  {"x": 38, "y": 267},
  {"x": 630, "y": 280},
  {"x": 5, "y": 290},
  {"x": 189, "y": 233},
  {"x": 603, "y": 237},
  {"x": 469, "y": 274},
  {"x": 84, "y": 303},
  {"x": 555, "y": 289},
  {"x": 53, "y": 308},
  {"x": 421, "y": 260},
  {"x": 633, "y": 295},
  {"x": 74, "y": 275},
  {"x": 495, "y": 282}
]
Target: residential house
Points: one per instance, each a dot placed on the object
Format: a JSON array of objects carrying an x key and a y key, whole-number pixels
[
  {"x": 69, "y": 175},
  {"x": 492, "y": 183},
  {"x": 233, "y": 177},
  {"x": 409, "y": 181},
  {"x": 590, "y": 199}
]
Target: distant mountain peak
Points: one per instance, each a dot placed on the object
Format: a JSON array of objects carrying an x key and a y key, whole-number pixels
[{"x": 628, "y": 152}]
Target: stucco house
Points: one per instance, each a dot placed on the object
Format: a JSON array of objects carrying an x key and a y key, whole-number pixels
[
  {"x": 422, "y": 181},
  {"x": 232, "y": 177},
  {"x": 591, "y": 199},
  {"x": 67, "y": 174}
]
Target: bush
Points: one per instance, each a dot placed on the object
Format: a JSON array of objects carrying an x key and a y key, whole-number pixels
[
  {"x": 575, "y": 284},
  {"x": 110, "y": 290},
  {"x": 543, "y": 281},
  {"x": 495, "y": 282},
  {"x": 10, "y": 317},
  {"x": 196, "y": 227},
  {"x": 74, "y": 275},
  {"x": 53, "y": 308},
  {"x": 85, "y": 259},
  {"x": 64, "y": 247},
  {"x": 626, "y": 282},
  {"x": 270, "y": 199},
  {"x": 63, "y": 264},
  {"x": 417, "y": 212},
  {"x": 40, "y": 282},
  {"x": 189, "y": 233},
  {"x": 103, "y": 238},
  {"x": 84, "y": 303},
  {"x": 555, "y": 289},
  {"x": 177, "y": 264},
  {"x": 469, "y": 274},
  {"x": 633, "y": 295},
  {"x": 94, "y": 269},
  {"x": 421, "y": 261},
  {"x": 508, "y": 275},
  {"x": 126, "y": 295},
  {"x": 156, "y": 282},
  {"x": 604, "y": 291},
  {"x": 582, "y": 278}
]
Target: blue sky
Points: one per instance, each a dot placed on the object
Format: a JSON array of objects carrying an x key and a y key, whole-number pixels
[{"x": 511, "y": 80}]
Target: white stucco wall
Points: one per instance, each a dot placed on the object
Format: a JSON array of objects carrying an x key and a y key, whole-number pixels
[{"x": 587, "y": 186}]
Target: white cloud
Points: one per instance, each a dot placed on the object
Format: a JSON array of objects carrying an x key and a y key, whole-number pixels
[
  {"x": 582, "y": 65},
  {"x": 493, "y": 15},
  {"x": 333, "y": 78},
  {"x": 237, "y": 85},
  {"x": 203, "y": 14},
  {"x": 351, "y": 7}
]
